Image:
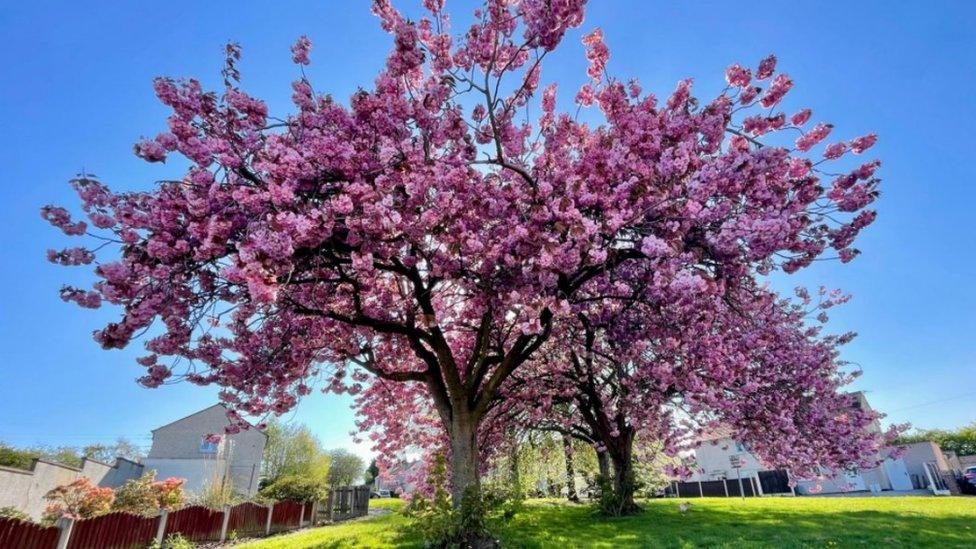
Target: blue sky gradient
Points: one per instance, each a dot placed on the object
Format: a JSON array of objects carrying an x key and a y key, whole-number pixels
[{"x": 75, "y": 93}]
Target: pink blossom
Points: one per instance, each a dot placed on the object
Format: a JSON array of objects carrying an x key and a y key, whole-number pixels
[
  {"x": 863, "y": 143},
  {"x": 60, "y": 218},
  {"x": 835, "y": 150},
  {"x": 597, "y": 54},
  {"x": 777, "y": 90},
  {"x": 150, "y": 151},
  {"x": 738, "y": 76},
  {"x": 300, "y": 50},
  {"x": 801, "y": 117},
  {"x": 766, "y": 67},
  {"x": 808, "y": 140}
]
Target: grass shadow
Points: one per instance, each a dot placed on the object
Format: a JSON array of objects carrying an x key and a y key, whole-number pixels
[{"x": 780, "y": 522}]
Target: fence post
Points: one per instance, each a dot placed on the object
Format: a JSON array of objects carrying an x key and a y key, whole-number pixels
[
  {"x": 161, "y": 527},
  {"x": 725, "y": 484},
  {"x": 267, "y": 525},
  {"x": 331, "y": 506},
  {"x": 65, "y": 525},
  {"x": 301, "y": 516},
  {"x": 225, "y": 523}
]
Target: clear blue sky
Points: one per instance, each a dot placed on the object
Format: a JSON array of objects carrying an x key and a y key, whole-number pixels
[{"x": 75, "y": 94}]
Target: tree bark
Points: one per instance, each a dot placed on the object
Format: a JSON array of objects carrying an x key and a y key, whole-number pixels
[
  {"x": 624, "y": 476},
  {"x": 513, "y": 464},
  {"x": 603, "y": 460},
  {"x": 570, "y": 470},
  {"x": 465, "y": 457}
]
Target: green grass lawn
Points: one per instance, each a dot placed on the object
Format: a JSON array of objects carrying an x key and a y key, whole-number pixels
[{"x": 711, "y": 522}]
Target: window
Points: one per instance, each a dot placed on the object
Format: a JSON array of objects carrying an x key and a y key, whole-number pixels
[
  {"x": 739, "y": 447},
  {"x": 208, "y": 447}
]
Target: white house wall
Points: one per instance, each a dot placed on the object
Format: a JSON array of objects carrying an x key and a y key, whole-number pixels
[
  {"x": 199, "y": 473},
  {"x": 714, "y": 459},
  {"x": 176, "y": 447}
]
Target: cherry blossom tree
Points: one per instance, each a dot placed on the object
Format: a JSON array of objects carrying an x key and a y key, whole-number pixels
[
  {"x": 663, "y": 368},
  {"x": 428, "y": 233}
]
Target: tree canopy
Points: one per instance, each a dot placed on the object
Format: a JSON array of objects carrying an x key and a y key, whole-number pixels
[
  {"x": 292, "y": 450},
  {"x": 347, "y": 468}
]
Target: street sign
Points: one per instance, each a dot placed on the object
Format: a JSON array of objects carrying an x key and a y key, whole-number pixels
[{"x": 735, "y": 460}]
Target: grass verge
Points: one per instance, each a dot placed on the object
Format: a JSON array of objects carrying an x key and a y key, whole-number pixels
[{"x": 711, "y": 522}]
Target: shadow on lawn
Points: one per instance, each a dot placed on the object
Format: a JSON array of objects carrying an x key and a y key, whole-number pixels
[{"x": 725, "y": 525}]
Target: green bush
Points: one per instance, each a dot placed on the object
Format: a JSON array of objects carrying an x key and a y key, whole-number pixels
[
  {"x": 296, "y": 488},
  {"x": 14, "y": 513},
  {"x": 173, "y": 541},
  {"x": 612, "y": 502},
  {"x": 469, "y": 525}
]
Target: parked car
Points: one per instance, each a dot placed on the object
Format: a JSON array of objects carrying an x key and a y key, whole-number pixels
[
  {"x": 380, "y": 494},
  {"x": 970, "y": 475}
]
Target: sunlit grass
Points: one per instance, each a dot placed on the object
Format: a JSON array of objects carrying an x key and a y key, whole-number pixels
[{"x": 711, "y": 522}]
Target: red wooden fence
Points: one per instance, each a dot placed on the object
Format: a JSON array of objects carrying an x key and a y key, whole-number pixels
[
  {"x": 127, "y": 531},
  {"x": 247, "y": 519},
  {"x": 113, "y": 531},
  {"x": 195, "y": 523},
  {"x": 285, "y": 515},
  {"x": 27, "y": 535}
]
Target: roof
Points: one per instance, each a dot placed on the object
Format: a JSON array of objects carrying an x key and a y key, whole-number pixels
[
  {"x": 188, "y": 416},
  {"x": 717, "y": 433}
]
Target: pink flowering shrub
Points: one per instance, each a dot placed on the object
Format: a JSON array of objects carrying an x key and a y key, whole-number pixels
[
  {"x": 79, "y": 499},
  {"x": 147, "y": 496}
]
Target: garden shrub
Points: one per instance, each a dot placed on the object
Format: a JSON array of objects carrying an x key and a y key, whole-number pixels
[
  {"x": 79, "y": 499},
  {"x": 14, "y": 513},
  {"x": 173, "y": 541},
  {"x": 468, "y": 526},
  {"x": 146, "y": 496},
  {"x": 296, "y": 488}
]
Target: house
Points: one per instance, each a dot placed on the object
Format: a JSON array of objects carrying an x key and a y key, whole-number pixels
[
  {"x": 718, "y": 454},
  {"x": 924, "y": 462},
  {"x": 401, "y": 479},
  {"x": 181, "y": 449}
]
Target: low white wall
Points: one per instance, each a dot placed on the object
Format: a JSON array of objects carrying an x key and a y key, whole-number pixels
[{"x": 25, "y": 490}]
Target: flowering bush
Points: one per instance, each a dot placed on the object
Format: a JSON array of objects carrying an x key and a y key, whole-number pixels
[
  {"x": 79, "y": 499},
  {"x": 169, "y": 493},
  {"x": 146, "y": 496}
]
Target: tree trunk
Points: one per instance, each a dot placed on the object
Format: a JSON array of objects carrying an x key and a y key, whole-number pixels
[
  {"x": 603, "y": 460},
  {"x": 513, "y": 463},
  {"x": 570, "y": 470},
  {"x": 464, "y": 457},
  {"x": 624, "y": 477}
]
